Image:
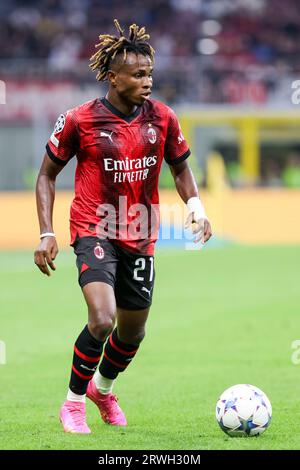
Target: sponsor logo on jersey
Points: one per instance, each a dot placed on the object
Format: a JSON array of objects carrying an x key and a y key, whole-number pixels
[
  {"x": 130, "y": 169},
  {"x": 98, "y": 251},
  {"x": 107, "y": 134},
  {"x": 152, "y": 135},
  {"x": 110, "y": 164},
  {"x": 147, "y": 290}
]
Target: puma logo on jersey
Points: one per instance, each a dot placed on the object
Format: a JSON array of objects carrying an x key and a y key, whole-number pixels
[
  {"x": 106, "y": 134},
  {"x": 147, "y": 290}
]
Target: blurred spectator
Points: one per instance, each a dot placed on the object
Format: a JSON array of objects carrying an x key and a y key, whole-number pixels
[
  {"x": 272, "y": 176},
  {"x": 235, "y": 174},
  {"x": 291, "y": 172}
]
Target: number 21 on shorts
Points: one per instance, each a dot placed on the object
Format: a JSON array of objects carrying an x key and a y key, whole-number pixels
[{"x": 140, "y": 264}]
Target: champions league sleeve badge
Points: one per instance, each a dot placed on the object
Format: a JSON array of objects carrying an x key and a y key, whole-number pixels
[{"x": 60, "y": 124}]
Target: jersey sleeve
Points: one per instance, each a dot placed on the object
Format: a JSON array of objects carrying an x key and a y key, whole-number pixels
[
  {"x": 176, "y": 147},
  {"x": 63, "y": 142}
]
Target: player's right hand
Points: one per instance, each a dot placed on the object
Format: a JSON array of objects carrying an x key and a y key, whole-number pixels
[{"x": 45, "y": 254}]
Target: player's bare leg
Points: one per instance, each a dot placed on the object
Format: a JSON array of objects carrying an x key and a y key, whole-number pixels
[
  {"x": 88, "y": 348},
  {"x": 131, "y": 325},
  {"x": 101, "y": 303},
  {"x": 120, "y": 349}
]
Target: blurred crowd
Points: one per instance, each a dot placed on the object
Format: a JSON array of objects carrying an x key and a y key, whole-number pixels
[
  {"x": 278, "y": 169},
  {"x": 208, "y": 51},
  {"x": 235, "y": 52}
]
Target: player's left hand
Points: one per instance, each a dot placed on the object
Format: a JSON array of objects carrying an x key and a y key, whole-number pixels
[{"x": 200, "y": 227}]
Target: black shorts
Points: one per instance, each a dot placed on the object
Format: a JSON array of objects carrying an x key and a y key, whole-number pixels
[{"x": 130, "y": 274}]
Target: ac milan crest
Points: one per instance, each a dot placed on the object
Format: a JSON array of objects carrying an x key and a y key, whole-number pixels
[
  {"x": 151, "y": 135},
  {"x": 98, "y": 251}
]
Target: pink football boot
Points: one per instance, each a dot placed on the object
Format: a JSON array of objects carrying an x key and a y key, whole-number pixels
[
  {"x": 72, "y": 417},
  {"x": 108, "y": 406}
]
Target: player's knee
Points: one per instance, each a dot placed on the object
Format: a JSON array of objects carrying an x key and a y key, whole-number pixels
[
  {"x": 132, "y": 337},
  {"x": 101, "y": 325},
  {"x": 138, "y": 338}
]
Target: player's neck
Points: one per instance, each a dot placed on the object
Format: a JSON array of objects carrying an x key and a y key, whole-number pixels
[{"x": 124, "y": 108}]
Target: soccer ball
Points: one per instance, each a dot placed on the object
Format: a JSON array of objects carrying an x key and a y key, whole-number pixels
[{"x": 243, "y": 410}]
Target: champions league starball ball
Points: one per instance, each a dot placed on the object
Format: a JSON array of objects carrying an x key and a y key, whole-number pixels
[{"x": 243, "y": 410}]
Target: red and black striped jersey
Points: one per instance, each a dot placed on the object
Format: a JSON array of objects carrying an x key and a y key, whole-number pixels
[{"x": 119, "y": 158}]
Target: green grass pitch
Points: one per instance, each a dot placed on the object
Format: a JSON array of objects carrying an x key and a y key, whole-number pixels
[{"x": 219, "y": 317}]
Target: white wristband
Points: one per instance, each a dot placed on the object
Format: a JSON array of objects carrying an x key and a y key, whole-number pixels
[
  {"x": 195, "y": 205},
  {"x": 47, "y": 234}
]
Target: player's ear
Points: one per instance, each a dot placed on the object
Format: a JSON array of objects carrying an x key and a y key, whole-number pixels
[{"x": 112, "y": 76}]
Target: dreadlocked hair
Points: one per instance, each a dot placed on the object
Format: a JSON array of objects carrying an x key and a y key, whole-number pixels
[{"x": 110, "y": 46}]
